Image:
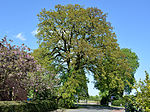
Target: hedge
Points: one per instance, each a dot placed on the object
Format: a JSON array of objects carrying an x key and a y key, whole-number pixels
[{"x": 24, "y": 106}]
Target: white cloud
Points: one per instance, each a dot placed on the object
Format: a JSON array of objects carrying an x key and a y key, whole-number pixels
[
  {"x": 20, "y": 36},
  {"x": 34, "y": 32}
]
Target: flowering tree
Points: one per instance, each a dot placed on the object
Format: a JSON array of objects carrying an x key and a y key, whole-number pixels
[
  {"x": 46, "y": 81},
  {"x": 15, "y": 64},
  {"x": 21, "y": 74},
  {"x": 42, "y": 85}
]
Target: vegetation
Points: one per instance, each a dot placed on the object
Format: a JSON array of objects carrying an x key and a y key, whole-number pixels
[
  {"x": 73, "y": 41},
  {"x": 18, "y": 106},
  {"x": 76, "y": 41},
  {"x": 139, "y": 101},
  {"x": 143, "y": 94},
  {"x": 119, "y": 102},
  {"x": 132, "y": 59},
  {"x": 21, "y": 75},
  {"x": 15, "y": 63},
  {"x": 131, "y": 64},
  {"x": 94, "y": 98}
]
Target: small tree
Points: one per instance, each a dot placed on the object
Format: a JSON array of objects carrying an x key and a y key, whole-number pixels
[
  {"x": 20, "y": 74},
  {"x": 15, "y": 64},
  {"x": 143, "y": 94}
]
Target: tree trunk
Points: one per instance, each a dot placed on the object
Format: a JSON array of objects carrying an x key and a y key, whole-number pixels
[{"x": 105, "y": 101}]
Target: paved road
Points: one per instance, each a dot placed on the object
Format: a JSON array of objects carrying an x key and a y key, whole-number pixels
[{"x": 90, "y": 108}]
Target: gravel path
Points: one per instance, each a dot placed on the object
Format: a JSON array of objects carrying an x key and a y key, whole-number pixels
[{"x": 87, "y": 108}]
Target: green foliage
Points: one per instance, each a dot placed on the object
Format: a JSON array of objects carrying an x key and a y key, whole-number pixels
[
  {"x": 66, "y": 103},
  {"x": 111, "y": 75},
  {"x": 132, "y": 59},
  {"x": 143, "y": 94},
  {"x": 18, "y": 106},
  {"x": 73, "y": 89},
  {"x": 74, "y": 40},
  {"x": 117, "y": 73},
  {"x": 48, "y": 89},
  {"x": 133, "y": 63},
  {"x": 44, "y": 85},
  {"x": 129, "y": 103},
  {"x": 119, "y": 102},
  {"x": 94, "y": 98},
  {"x": 140, "y": 101},
  {"x": 42, "y": 58},
  {"x": 104, "y": 94}
]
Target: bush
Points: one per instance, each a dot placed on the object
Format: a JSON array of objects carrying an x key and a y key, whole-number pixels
[
  {"x": 130, "y": 101},
  {"x": 140, "y": 102},
  {"x": 66, "y": 103},
  {"x": 119, "y": 102},
  {"x": 143, "y": 94},
  {"x": 33, "y": 106}
]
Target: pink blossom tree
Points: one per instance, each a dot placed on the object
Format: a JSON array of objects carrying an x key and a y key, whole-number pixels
[
  {"x": 15, "y": 64},
  {"x": 21, "y": 73}
]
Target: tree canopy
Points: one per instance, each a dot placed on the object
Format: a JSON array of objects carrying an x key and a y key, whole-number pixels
[
  {"x": 117, "y": 73},
  {"x": 133, "y": 63},
  {"x": 79, "y": 40}
]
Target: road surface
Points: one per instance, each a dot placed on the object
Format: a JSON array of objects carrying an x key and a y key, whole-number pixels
[{"x": 93, "y": 108}]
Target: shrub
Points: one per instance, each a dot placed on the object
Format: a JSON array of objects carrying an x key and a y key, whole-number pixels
[
  {"x": 129, "y": 103},
  {"x": 142, "y": 98},
  {"x": 20, "y": 106},
  {"x": 119, "y": 102}
]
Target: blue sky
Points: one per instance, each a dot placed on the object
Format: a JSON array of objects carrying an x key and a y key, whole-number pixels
[{"x": 130, "y": 19}]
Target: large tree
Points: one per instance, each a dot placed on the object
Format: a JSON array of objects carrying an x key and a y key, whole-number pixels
[{"x": 77, "y": 40}]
